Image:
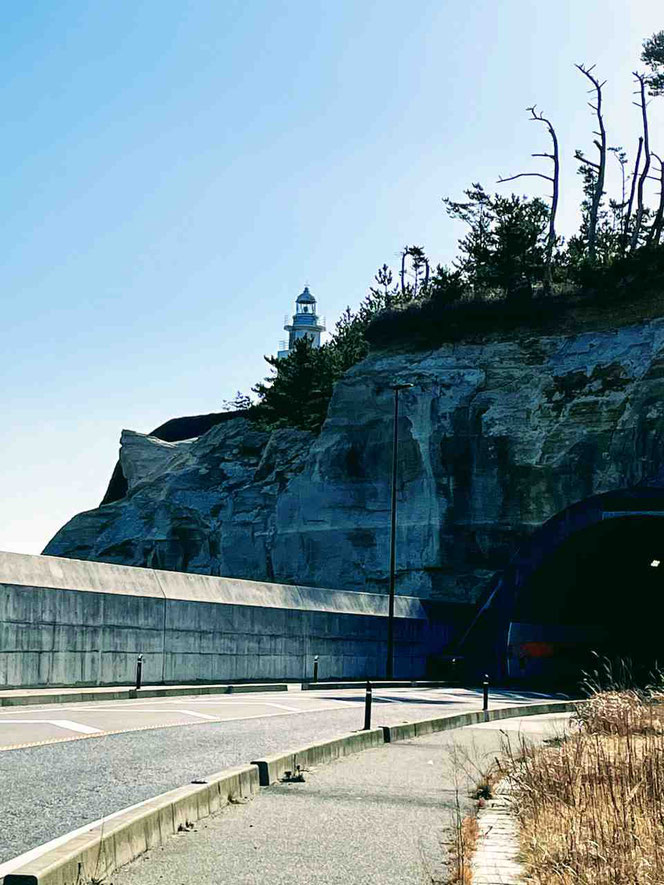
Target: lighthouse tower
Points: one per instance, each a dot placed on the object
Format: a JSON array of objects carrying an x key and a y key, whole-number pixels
[{"x": 305, "y": 323}]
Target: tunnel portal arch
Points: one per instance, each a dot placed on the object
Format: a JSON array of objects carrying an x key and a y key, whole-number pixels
[{"x": 591, "y": 579}]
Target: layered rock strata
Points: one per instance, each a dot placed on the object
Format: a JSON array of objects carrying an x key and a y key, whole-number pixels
[{"x": 495, "y": 438}]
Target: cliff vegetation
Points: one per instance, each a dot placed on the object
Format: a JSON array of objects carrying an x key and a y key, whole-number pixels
[{"x": 514, "y": 271}]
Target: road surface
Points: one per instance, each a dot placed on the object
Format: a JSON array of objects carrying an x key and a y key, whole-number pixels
[{"x": 65, "y": 765}]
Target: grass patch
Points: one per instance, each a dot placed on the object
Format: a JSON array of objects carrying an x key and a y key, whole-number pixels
[
  {"x": 462, "y": 850},
  {"x": 591, "y": 807},
  {"x": 476, "y": 776}
]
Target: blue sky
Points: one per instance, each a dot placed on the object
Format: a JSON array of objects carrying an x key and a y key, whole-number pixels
[{"x": 173, "y": 172}]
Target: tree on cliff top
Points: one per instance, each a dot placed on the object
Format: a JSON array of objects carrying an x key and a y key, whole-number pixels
[
  {"x": 297, "y": 395},
  {"x": 554, "y": 179},
  {"x": 653, "y": 57},
  {"x": 510, "y": 253},
  {"x": 505, "y": 248},
  {"x": 594, "y": 173}
]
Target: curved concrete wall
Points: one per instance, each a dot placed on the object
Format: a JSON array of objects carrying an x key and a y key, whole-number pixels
[{"x": 69, "y": 622}]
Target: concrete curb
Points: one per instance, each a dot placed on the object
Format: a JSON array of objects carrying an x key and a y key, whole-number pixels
[
  {"x": 360, "y": 683},
  {"x": 123, "y": 694},
  {"x": 93, "y": 855},
  {"x": 271, "y": 769},
  {"x": 420, "y": 727},
  {"x": 119, "y": 839}
]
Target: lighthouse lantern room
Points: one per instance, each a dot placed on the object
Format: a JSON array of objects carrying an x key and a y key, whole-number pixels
[{"x": 305, "y": 323}]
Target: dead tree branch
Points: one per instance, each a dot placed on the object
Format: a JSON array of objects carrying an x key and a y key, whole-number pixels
[
  {"x": 418, "y": 260},
  {"x": 640, "y": 208},
  {"x": 538, "y": 117},
  {"x": 655, "y": 232},
  {"x": 632, "y": 191},
  {"x": 600, "y": 167},
  {"x": 502, "y": 180}
]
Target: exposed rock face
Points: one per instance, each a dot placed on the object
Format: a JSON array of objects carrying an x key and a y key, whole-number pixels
[{"x": 495, "y": 438}]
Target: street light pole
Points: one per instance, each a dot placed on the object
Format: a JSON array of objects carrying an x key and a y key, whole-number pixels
[{"x": 389, "y": 669}]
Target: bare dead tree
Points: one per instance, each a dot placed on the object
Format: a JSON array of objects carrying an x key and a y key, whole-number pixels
[
  {"x": 655, "y": 232},
  {"x": 643, "y": 177},
  {"x": 618, "y": 206},
  {"x": 555, "y": 188},
  {"x": 632, "y": 191},
  {"x": 403, "y": 271},
  {"x": 598, "y": 169},
  {"x": 418, "y": 260},
  {"x": 621, "y": 159}
]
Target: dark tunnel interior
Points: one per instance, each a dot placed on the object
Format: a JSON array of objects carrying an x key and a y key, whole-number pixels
[{"x": 608, "y": 578}]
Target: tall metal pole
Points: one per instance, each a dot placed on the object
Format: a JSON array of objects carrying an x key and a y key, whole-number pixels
[{"x": 389, "y": 669}]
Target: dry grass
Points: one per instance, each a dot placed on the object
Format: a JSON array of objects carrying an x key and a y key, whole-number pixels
[
  {"x": 462, "y": 851},
  {"x": 622, "y": 713},
  {"x": 475, "y": 775},
  {"x": 591, "y": 807}
]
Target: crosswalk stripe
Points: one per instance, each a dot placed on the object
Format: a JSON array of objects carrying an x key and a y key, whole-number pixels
[
  {"x": 75, "y": 726},
  {"x": 59, "y": 723},
  {"x": 199, "y": 715}
]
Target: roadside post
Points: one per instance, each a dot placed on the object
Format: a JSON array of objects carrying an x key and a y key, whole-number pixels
[
  {"x": 367, "y": 707},
  {"x": 139, "y": 671},
  {"x": 485, "y": 693},
  {"x": 315, "y": 668}
]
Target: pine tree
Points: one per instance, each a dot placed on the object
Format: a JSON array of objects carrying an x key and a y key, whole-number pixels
[
  {"x": 653, "y": 57},
  {"x": 299, "y": 393}
]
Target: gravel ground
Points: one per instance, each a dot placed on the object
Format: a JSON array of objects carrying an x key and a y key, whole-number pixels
[
  {"x": 50, "y": 790},
  {"x": 385, "y": 815}
]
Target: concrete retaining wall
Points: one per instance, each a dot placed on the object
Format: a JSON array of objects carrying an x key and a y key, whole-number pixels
[{"x": 68, "y": 622}]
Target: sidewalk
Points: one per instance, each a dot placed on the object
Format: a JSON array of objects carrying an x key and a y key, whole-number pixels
[{"x": 382, "y": 816}]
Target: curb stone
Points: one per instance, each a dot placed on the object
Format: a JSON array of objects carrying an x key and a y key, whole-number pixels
[
  {"x": 272, "y": 768},
  {"x": 82, "y": 695},
  {"x": 378, "y": 683},
  {"x": 420, "y": 727}
]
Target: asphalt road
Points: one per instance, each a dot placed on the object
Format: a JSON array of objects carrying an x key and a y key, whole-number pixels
[{"x": 67, "y": 765}]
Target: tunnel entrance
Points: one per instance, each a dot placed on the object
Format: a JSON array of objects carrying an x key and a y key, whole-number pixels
[{"x": 599, "y": 591}]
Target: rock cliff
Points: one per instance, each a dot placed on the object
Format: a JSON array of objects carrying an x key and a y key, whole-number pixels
[{"x": 495, "y": 438}]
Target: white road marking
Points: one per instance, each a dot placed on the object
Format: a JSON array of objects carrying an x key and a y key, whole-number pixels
[
  {"x": 60, "y": 723},
  {"x": 284, "y": 707},
  {"x": 128, "y": 706},
  {"x": 162, "y": 711},
  {"x": 199, "y": 715},
  {"x": 89, "y": 730},
  {"x": 75, "y": 726},
  {"x": 415, "y": 697}
]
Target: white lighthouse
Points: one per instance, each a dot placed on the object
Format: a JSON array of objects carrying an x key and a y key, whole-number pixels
[{"x": 305, "y": 323}]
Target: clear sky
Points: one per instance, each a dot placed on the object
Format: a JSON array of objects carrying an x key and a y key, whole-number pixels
[{"x": 174, "y": 172}]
